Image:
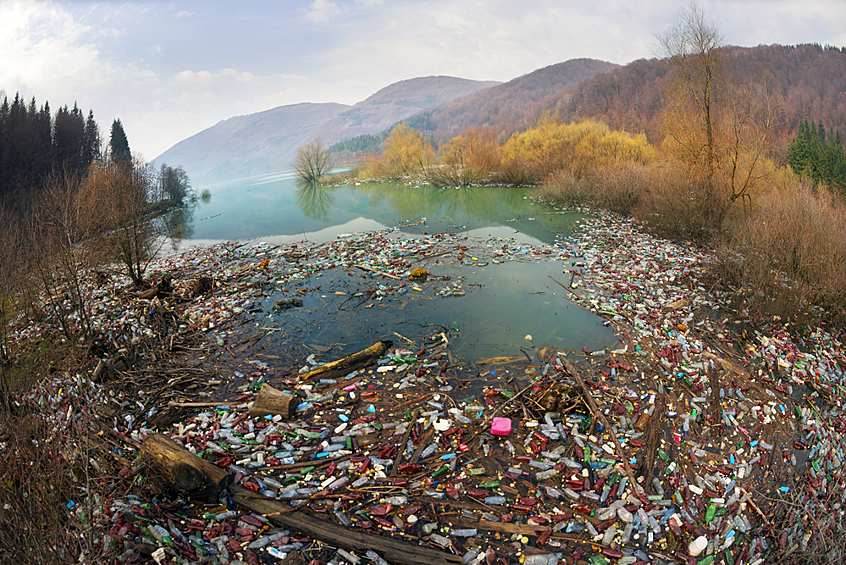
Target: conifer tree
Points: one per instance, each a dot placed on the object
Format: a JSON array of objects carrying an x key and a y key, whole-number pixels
[
  {"x": 118, "y": 144},
  {"x": 818, "y": 156},
  {"x": 91, "y": 148},
  {"x": 798, "y": 153}
]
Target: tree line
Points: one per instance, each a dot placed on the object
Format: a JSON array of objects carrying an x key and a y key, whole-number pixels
[
  {"x": 818, "y": 155},
  {"x": 71, "y": 204},
  {"x": 34, "y": 144}
]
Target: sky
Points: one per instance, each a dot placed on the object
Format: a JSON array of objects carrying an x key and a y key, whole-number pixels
[{"x": 169, "y": 70}]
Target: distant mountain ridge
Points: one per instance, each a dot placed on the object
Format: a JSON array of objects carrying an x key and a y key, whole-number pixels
[
  {"x": 806, "y": 81},
  {"x": 505, "y": 108},
  {"x": 267, "y": 141},
  {"x": 509, "y": 106}
]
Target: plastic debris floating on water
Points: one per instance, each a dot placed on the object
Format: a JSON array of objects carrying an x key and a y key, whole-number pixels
[{"x": 729, "y": 425}]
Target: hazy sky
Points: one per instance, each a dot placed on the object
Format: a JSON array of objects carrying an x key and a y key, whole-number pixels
[{"x": 171, "y": 69}]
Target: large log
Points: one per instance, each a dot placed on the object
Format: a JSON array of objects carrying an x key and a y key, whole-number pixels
[
  {"x": 178, "y": 469},
  {"x": 305, "y": 522},
  {"x": 270, "y": 402},
  {"x": 350, "y": 363}
]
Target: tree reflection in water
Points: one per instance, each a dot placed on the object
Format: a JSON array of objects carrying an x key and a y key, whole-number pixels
[
  {"x": 315, "y": 200},
  {"x": 178, "y": 223}
]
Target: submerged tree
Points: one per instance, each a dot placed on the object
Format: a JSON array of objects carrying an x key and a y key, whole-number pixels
[
  {"x": 312, "y": 161},
  {"x": 175, "y": 186}
]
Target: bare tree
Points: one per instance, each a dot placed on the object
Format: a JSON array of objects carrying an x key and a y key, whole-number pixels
[
  {"x": 718, "y": 128},
  {"x": 693, "y": 46},
  {"x": 121, "y": 196},
  {"x": 312, "y": 161}
]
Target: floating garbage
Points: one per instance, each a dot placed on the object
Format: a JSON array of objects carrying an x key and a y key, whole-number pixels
[{"x": 703, "y": 439}]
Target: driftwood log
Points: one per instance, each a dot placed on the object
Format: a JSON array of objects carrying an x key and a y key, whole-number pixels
[
  {"x": 349, "y": 363},
  {"x": 176, "y": 468},
  {"x": 180, "y": 469},
  {"x": 307, "y": 523},
  {"x": 270, "y": 402}
]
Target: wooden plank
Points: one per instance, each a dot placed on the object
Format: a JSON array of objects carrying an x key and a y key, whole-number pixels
[
  {"x": 404, "y": 442},
  {"x": 176, "y": 467},
  {"x": 598, "y": 414}
]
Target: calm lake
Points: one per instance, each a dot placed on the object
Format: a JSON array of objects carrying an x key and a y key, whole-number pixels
[{"x": 502, "y": 303}]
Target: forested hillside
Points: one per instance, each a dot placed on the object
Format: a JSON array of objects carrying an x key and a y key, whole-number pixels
[
  {"x": 504, "y": 108},
  {"x": 803, "y": 82},
  {"x": 507, "y": 107},
  {"x": 34, "y": 144}
]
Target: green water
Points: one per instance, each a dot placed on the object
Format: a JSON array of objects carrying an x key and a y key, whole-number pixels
[{"x": 502, "y": 304}]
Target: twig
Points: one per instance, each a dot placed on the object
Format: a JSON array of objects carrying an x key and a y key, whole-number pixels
[
  {"x": 378, "y": 272},
  {"x": 753, "y": 505},
  {"x": 402, "y": 337},
  {"x": 404, "y": 441},
  {"x": 598, "y": 414}
]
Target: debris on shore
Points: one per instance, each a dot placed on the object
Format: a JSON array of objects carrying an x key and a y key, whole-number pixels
[{"x": 704, "y": 439}]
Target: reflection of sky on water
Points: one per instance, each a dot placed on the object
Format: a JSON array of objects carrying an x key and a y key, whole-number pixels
[
  {"x": 266, "y": 207},
  {"x": 502, "y": 302}
]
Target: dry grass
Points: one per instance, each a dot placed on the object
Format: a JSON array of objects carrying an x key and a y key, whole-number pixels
[
  {"x": 48, "y": 487},
  {"x": 621, "y": 187},
  {"x": 783, "y": 249},
  {"x": 678, "y": 205},
  {"x": 789, "y": 254},
  {"x": 665, "y": 198},
  {"x": 566, "y": 189}
]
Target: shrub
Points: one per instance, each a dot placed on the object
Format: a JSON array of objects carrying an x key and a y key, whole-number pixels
[
  {"x": 789, "y": 253},
  {"x": 621, "y": 187},
  {"x": 565, "y": 188},
  {"x": 678, "y": 205}
]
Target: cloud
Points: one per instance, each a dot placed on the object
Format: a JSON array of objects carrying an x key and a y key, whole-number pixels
[
  {"x": 321, "y": 11},
  {"x": 167, "y": 73},
  {"x": 43, "y": 45}
]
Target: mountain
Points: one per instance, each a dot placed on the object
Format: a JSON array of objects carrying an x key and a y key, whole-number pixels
[
  {"x": 248, "y": 145},
  {"x": 267, "y": 141},
  {"x": 803, "y": 82},
  {"x": 507, "y": 107}
]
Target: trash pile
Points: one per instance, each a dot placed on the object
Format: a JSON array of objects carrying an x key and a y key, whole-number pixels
[{"x": 695, "y": 443}]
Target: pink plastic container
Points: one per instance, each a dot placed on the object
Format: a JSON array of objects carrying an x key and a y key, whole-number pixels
[{"x": 501, "y": 426}]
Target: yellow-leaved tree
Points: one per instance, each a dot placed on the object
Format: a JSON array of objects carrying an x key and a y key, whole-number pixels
[
  {"x": 466, "y": 159},
  {"x": 578, "y": 148},
  {"x": 406, "y": 153}
]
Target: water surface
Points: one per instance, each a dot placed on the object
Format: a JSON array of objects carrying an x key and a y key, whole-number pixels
[{"x": 502, "y": 303}]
